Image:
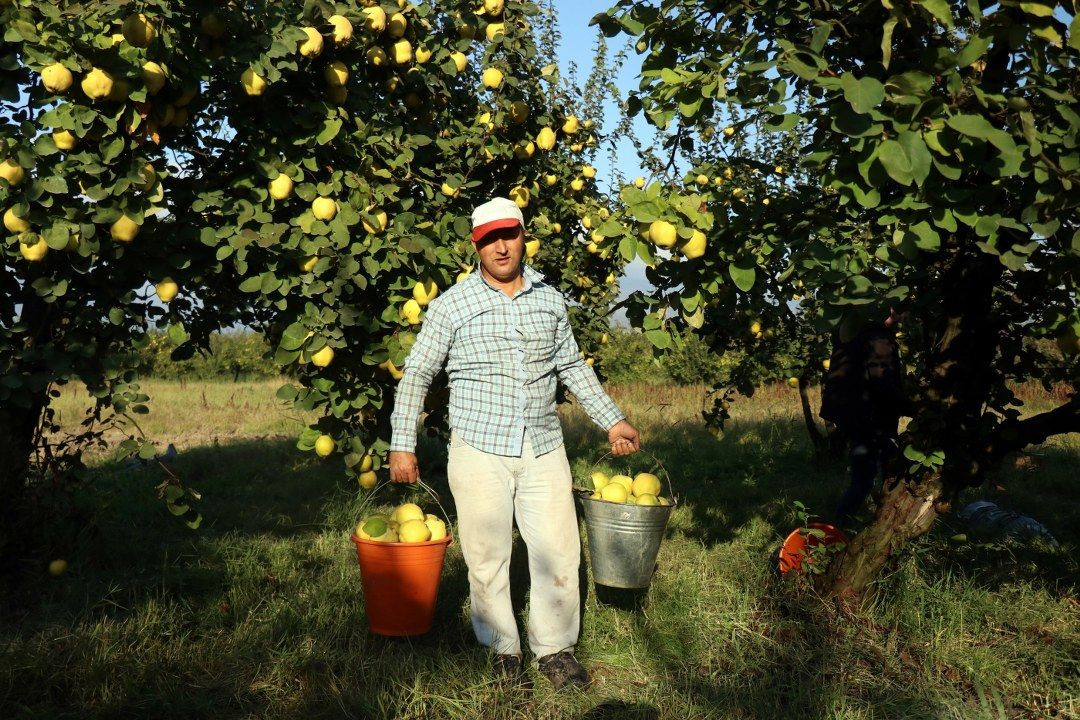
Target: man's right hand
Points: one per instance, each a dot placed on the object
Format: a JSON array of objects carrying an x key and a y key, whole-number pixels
[{"x": 403, "y": 467}]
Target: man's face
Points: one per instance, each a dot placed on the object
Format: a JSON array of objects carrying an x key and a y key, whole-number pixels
[{"x": 501, "y": 252}]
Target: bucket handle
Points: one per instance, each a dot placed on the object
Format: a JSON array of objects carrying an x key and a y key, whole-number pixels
[
  {"x": 430, "y": 491},
  {"x": 655, "y": 459}
]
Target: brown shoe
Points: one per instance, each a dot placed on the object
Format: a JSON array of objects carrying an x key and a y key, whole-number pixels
[
  {"x": 509, "y": 670},
  {"x": 563, "y": 669}
]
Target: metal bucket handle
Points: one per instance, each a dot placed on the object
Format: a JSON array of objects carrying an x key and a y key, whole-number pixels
[
  {"x": 430, "y": 491},
  {"x": 667, "y": 475}
]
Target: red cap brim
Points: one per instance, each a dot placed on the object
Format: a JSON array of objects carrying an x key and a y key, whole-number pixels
[{"x": 480, "y": 231}]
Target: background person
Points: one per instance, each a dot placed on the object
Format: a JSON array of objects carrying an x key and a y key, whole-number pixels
[
  {"x": 864, "y": 397},
  {"x": 506, "y": 340}
]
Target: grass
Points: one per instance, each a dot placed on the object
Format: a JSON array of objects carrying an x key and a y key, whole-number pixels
[{"x": 259, "y": 614}]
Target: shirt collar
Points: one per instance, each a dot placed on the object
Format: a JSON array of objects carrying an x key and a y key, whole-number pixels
[{"x": 530, "y": 275}]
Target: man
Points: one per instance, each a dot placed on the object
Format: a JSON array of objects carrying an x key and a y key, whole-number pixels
[
  {"x": 863, "y": 396},
  {"x": 506, "y": 339}
]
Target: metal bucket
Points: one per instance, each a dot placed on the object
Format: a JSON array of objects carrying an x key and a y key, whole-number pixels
[{"x": 624, "y": 541}]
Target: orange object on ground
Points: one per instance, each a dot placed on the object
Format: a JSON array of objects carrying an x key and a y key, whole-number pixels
[
  {"x": 795, "y": 545},
  {"x": 401, "y": 583}
]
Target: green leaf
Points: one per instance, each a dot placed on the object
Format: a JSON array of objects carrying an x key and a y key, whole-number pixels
[
  {"x": 45, "y": 145},
  {"x": 1037, "y": 9},
  {"x": 944, "y": 219},
  {"x": 1012, "y": 261},
  {"x": 611, "y": 228},
  {"x": 177, "y": 334},
  {"x": 330, "y": 129},
  {"x": 848, "y": 122},
  {"x": 781, "y": 123},
  {"x": 659, "y": 338},
  {"x": 695, "y": 319},
  {"x": 54, "y": 185},
  {"x": 293, "y": 337},
  {"x": 926, "y": 237},
  {"x": 112, "y": 150},
  {"x": 886, "y": 40},
  {"x": 946, "y": 169},
  {"x": 987, "y": 225},
  {"x": 743, "y": 275},
  {"x": 933, "y": 141},
  {"x": 917, "y": 154},
  {"x": 820, "y": 36},
  {"x": 690, "y": 300},
  {"x": 859, "y": 284},
  {"x": 56, "y": 237},
  {"x": 1074, "y": 32},
  {"x": 251, "y": 284},
  {"x": 896, "y": 162},
  {"x": 1008, "y": 161},
  {"x": 863, "y": 94},
  {"x": 269, "y": 283},
  {"x": 910, "y": 83},
  {"x": 974, "y": 50},
  {"x": 971, "y": 125},
  {"x": 939, "y": 9},
  {"x": 914, "y": 455}
]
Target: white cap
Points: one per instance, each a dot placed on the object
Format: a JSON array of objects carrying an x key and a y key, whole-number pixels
[{"x": 495, "y": 214}]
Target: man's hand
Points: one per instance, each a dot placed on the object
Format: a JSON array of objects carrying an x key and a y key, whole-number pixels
[
  {"x": 624, "y": 439},
  {"x": 403, "y": 467}
]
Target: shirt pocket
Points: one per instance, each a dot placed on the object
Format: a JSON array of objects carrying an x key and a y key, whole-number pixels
[
  {"x": 480, "y": 336},
  {"x": 538, "y": 328}
]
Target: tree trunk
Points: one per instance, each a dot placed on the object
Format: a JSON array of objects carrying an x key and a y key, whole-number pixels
[
  {"x": 948, "y": 409},
  {"x": 906, "y": 512}
]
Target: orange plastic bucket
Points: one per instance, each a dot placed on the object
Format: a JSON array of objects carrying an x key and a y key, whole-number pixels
[
  {"x": 795, "y": 545},
  {"x": 401, "y": 583}
]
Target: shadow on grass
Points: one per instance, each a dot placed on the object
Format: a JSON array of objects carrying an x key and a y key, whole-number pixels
[
  {"x": 620, "y": 710},
  {"x": 791, "y": 655},
  {"x": 260, "y": 610}
]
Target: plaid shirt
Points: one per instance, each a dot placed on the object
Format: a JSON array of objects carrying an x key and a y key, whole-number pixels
[{"x": 502, "y": 357}]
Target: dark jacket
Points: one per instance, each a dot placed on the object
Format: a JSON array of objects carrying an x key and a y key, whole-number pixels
[{"x": 863, "y": 393}]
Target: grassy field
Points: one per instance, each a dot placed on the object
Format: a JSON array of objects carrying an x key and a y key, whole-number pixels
[{"x": 259, "y": 613}]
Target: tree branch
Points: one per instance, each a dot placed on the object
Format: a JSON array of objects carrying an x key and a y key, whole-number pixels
[{"x": 1017, "y": 434}]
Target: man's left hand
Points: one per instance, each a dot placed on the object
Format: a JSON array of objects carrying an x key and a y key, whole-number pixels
[{"x": 624, "y": 438}]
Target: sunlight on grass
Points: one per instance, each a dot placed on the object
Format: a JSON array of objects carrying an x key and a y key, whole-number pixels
[{"x": 260, "y": 613}]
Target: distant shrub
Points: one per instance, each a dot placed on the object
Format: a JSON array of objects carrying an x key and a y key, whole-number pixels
[
  {"x": 627, "y": 357},
  {"x": 695, "y": 363},
  {"x": 238, "y": 355}
]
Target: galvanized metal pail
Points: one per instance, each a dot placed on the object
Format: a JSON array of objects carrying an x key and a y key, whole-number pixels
[{"x": 624, "y": 541}]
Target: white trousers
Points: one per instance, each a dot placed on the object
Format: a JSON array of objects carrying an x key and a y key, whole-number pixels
[{"x": 490, "y": 491}]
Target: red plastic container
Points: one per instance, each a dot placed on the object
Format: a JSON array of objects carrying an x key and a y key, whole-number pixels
[
  {"x": 795, "y": 546},
  {"x": 401, "y": 584}
]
